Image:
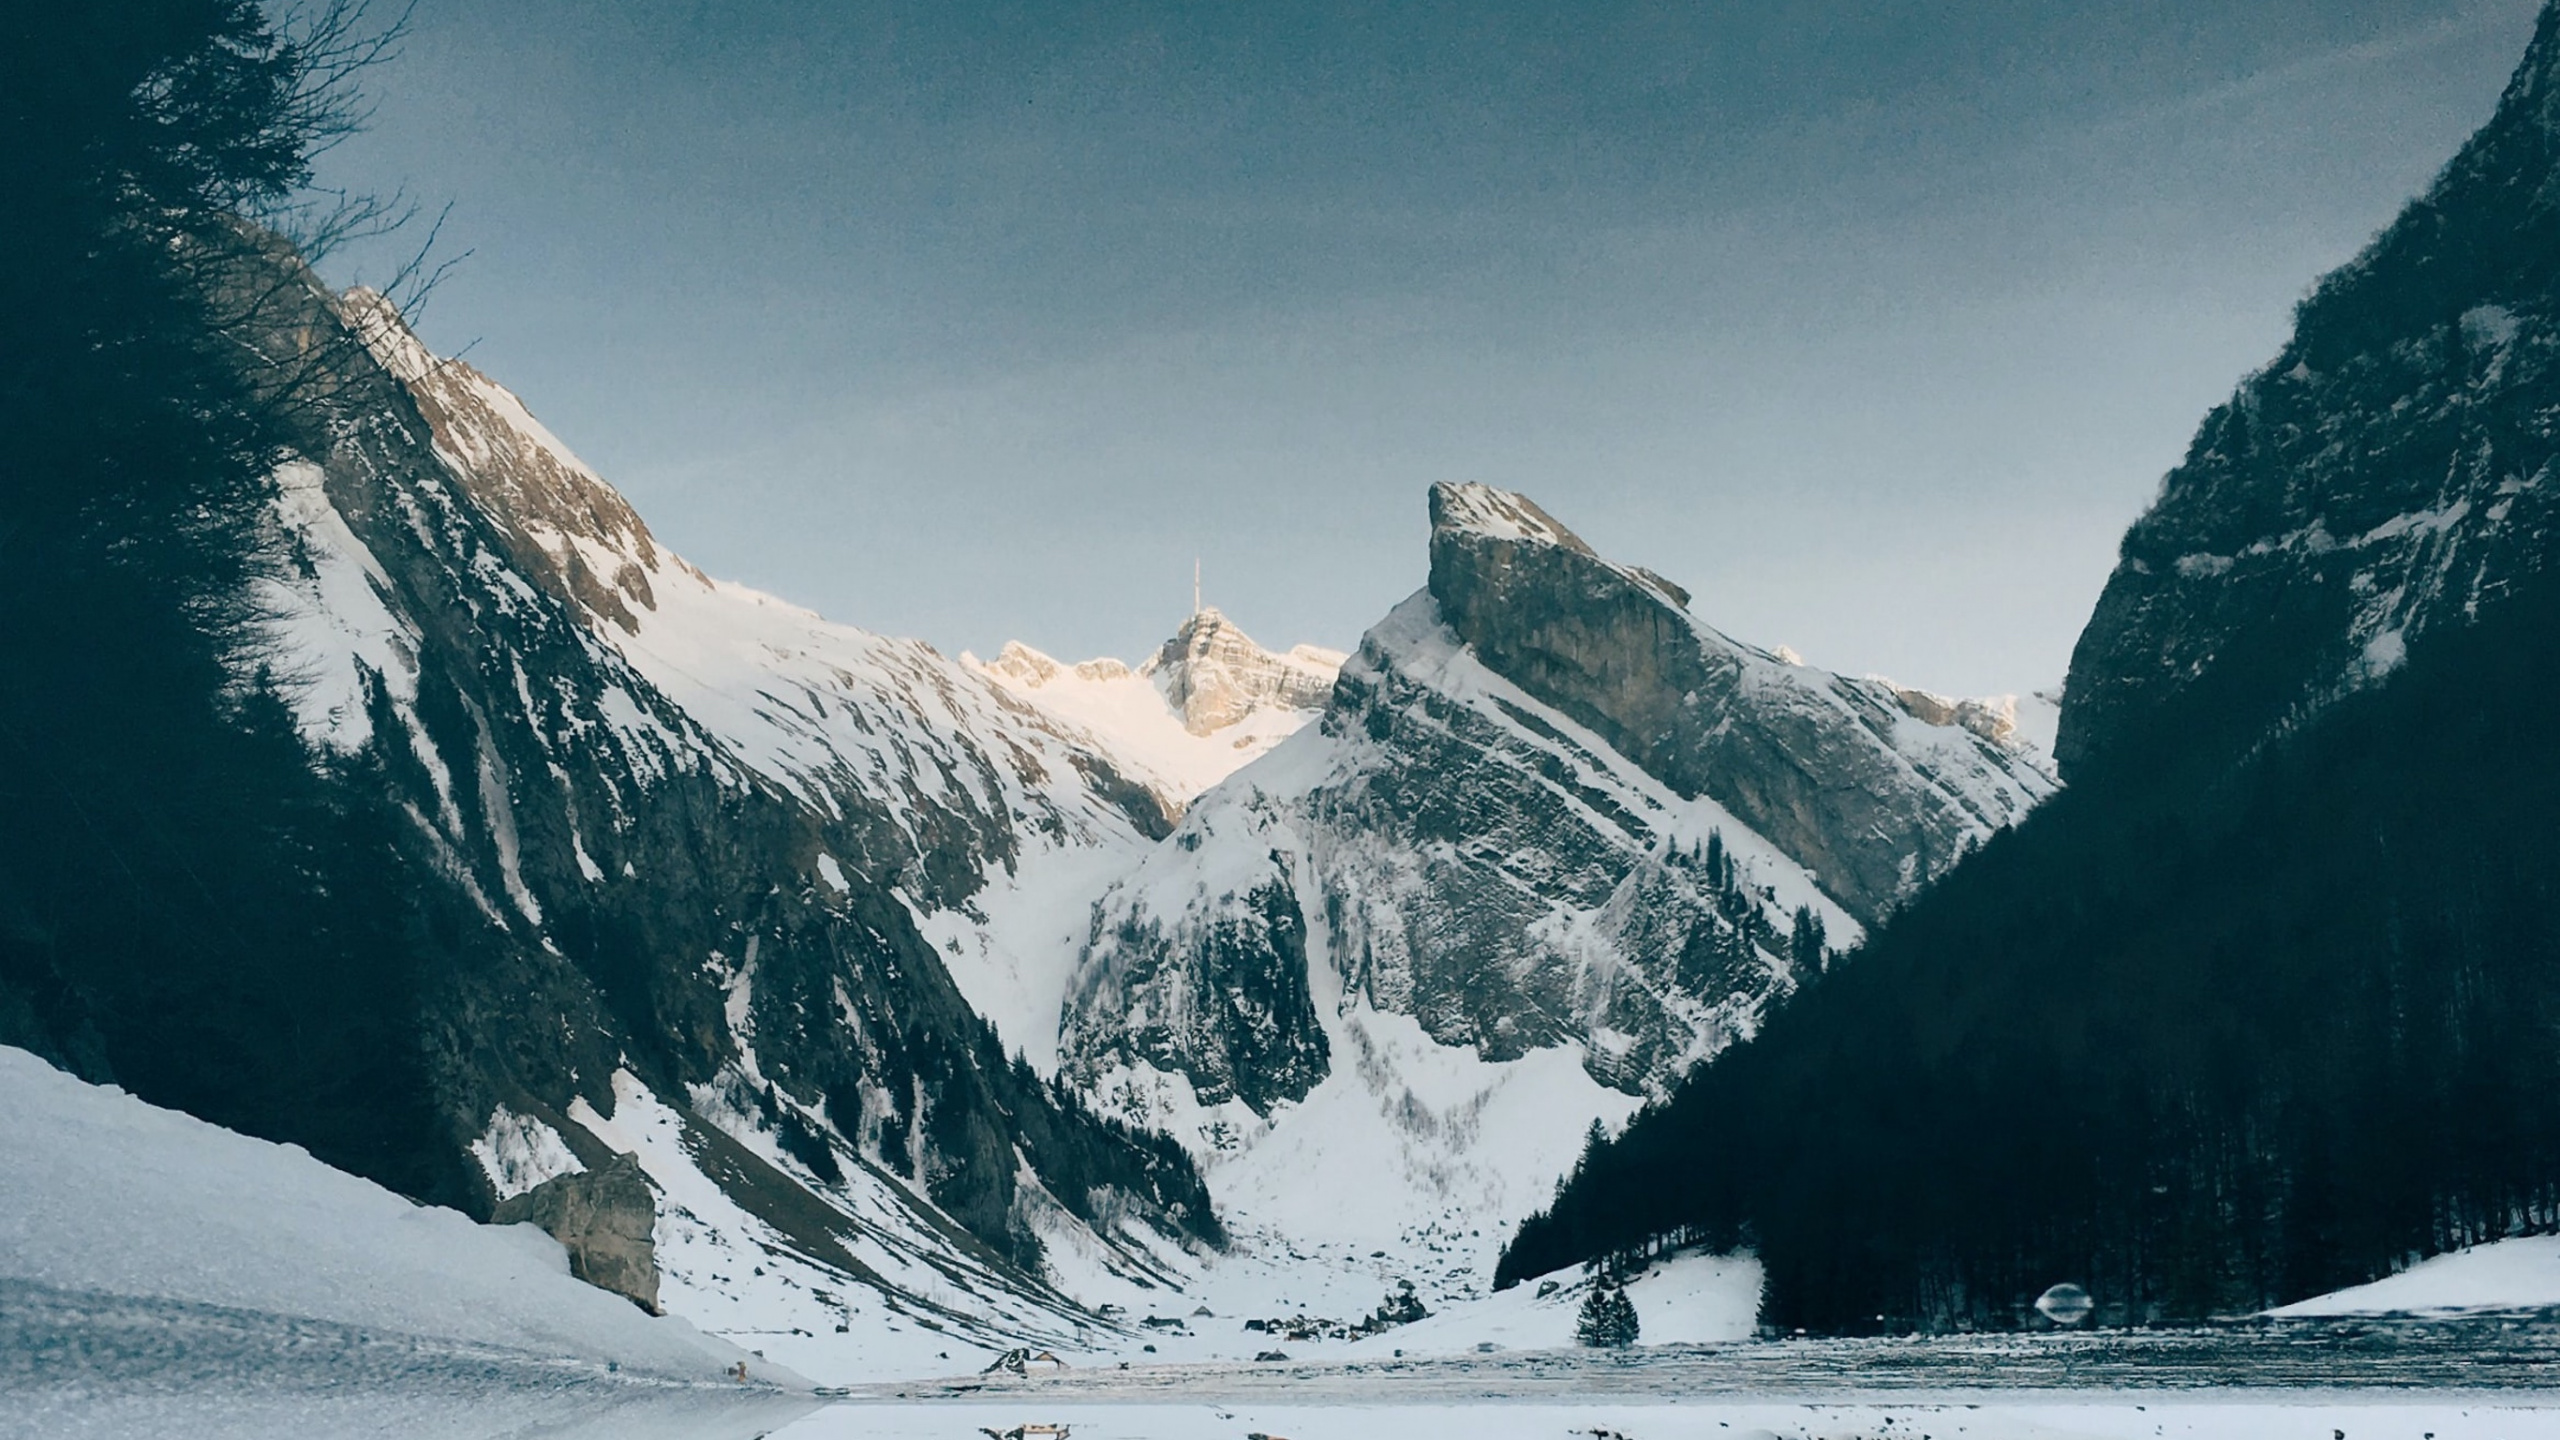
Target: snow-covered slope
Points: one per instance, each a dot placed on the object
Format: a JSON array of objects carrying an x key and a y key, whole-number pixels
[
  {"x": 1191, "y": 714},
  {"x": 849, "y": 720},
  {"x": 297, "y": 1284},
  {"x": 2519, "y": 1274}
]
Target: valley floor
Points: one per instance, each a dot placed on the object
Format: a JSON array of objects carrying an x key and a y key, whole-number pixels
[
  {"x": 2469, "y": 1378},
  {"x": 2128, "y": 1415}
]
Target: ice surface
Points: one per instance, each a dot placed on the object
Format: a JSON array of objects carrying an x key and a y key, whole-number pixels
[{"x": 2124, "y": 1416}]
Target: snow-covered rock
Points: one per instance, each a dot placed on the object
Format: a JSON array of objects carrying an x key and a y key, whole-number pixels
[{"x": 1206, "y": 703}]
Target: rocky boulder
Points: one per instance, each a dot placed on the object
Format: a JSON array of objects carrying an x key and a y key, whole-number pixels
[{"x": 607, "y": 1218}]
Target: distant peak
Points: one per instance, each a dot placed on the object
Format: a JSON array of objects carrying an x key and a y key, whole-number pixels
[
  {"x": 1022, "y": 663},
  {"x": 1205, "y": 620},
  {"x": 1213, "y": 673}
]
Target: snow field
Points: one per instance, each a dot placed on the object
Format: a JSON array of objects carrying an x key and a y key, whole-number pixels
[
  {"x": 104, "y": 1193},
  {"x": 160, "y": 1276},
  {"x": 2520, "y": 1274}
]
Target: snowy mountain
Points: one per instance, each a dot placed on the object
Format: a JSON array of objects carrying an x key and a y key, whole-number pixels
[
  {"x": 638, "y": 860},
  {"x": 647, "y": 863},
  {"x": 1189, "y": 715},
  {"x": 1553, "y": 842}
]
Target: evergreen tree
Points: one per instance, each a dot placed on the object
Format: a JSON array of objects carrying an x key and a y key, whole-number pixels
[{"x": 1608, "y": 1318}]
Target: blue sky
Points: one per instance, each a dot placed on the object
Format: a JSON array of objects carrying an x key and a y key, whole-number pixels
[{"x": 1871, "y": 323}]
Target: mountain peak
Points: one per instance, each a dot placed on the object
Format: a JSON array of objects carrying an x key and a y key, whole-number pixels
[
  {"x": 1214, "y": 675},
  {"x": 1499, "y": 515}
]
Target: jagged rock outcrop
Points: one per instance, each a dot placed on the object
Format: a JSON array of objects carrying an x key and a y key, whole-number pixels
[{"x": 607, "y": 1219}]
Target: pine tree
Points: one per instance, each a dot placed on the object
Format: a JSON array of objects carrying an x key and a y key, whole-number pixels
[{"x": 1608, "y": 1318}]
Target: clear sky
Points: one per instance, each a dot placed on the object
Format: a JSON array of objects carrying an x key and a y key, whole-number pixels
[{"x": 1873, "y": 323}]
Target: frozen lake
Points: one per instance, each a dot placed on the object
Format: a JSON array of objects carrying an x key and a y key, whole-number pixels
[
  {"x": 2468, "y": 1379},
  {"x": 78, "y": 1364}
]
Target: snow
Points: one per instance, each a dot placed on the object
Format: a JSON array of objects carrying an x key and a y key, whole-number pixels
[
  {"x": 325, "y": 626},
  {"x": 1127, "y": 710},
  {"x": 1013, "y": 958},
  {"x": 894, "y": 1297},
  {"x": 186, "y": 1280},
  {"x": 2520, "y": 1274},
  {"x": 2040, "y": 718},
  {"x": 1499, "y": 514},
  {"x": 518, "y": 1152},
  {"x": 105, "y": 1193},
  {"x": 1687, "y": 1299},
  {"x": 2385, "y": 652}
]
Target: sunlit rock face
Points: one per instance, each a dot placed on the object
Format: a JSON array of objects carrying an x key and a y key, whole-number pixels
[{"x": 1214, "y": 675}]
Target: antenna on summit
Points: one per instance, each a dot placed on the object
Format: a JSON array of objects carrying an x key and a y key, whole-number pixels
[{"x": 1195, "y": 585}]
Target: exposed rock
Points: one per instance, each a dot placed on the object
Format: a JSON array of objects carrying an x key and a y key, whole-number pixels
[
  {"x": 1816, "y": 763},
  {"x": 1228, "y": 1006},
  {"x": 607, "y": 1218},
  {"x": 1994, "y": 719},
  {"x": 1214, "y": 675}
]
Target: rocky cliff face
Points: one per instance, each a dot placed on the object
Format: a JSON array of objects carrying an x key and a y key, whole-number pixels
[
  {"x": 2389, "y": 473},
  {"x": 1545, "y": 814},
  {"x": 1877, "y": 790}
]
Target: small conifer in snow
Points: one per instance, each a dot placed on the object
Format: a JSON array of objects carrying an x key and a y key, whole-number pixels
[{"x": 1608, "y": 1319}]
